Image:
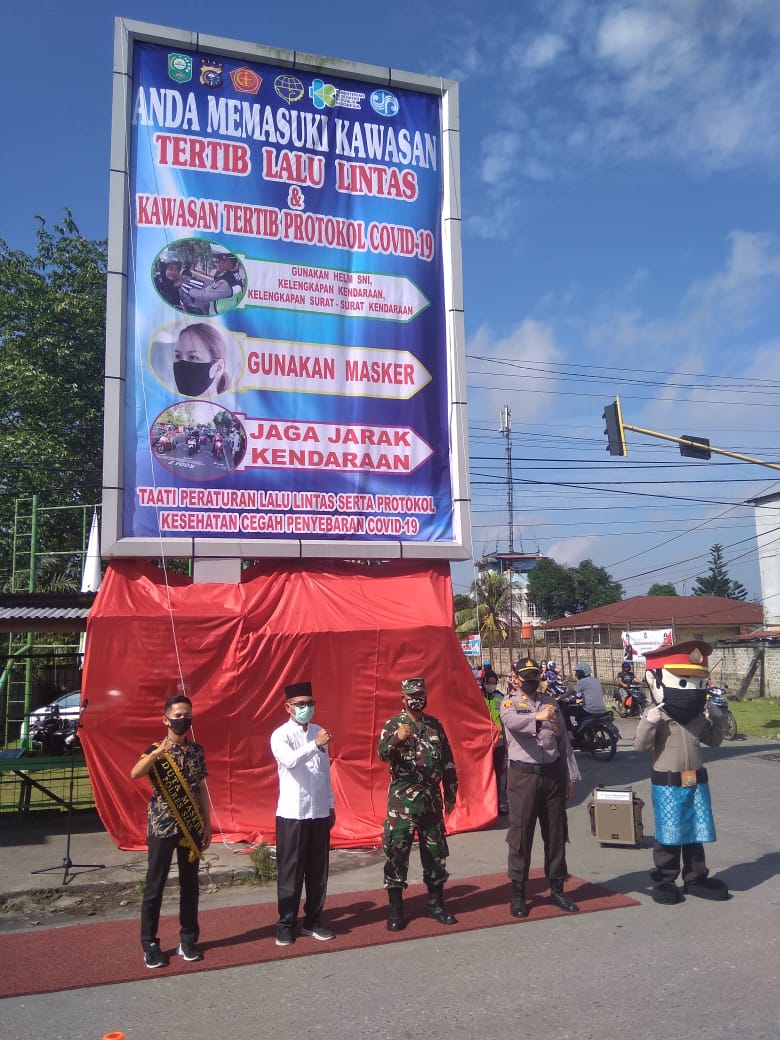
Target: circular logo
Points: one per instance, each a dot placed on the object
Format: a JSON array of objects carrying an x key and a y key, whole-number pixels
[{"x": 289, "y": 88}]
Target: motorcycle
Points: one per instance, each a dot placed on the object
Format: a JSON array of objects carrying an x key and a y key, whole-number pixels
[
  {"x": 54, "y": 735},
  {"x": 630, "y": 701},
  {"x": 192, "y": 444},
  {"x": 717, "y": 695},
  {"x": 596, "y": 734}
]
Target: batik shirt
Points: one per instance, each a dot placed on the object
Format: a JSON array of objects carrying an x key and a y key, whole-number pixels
[{"x": 191, "y": 760}]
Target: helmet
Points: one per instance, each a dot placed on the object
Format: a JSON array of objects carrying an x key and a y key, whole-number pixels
[
  {"x": 170, "y": 256},
  {"x": 220, "y": 253},
  {"x": 551, "y": 664},
  {"x": 626, "y": 666},
  {"x": 582, "y": 669},
  {"x": 486, "y": 664}
]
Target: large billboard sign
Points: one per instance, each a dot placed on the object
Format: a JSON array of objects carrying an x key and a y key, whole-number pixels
[{"x": 285, "y": 372}]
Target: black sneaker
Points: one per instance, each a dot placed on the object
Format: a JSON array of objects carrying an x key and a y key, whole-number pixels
[
  {"x": 284, "y": 938},
  {"x": 154, "y": 957},
  {"x": 189, "y": 951}
]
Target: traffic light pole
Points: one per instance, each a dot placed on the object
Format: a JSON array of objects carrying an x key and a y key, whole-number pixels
[
  {"x": 686, "y": 442},
  {"x": 690, "y": 446}
]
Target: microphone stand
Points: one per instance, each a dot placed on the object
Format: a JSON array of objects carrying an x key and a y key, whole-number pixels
[{"x": 67, "y": 863}]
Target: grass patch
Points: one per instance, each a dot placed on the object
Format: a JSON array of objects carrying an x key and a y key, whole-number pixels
[
  {"x": 759, "y": 717},
  {"x": 263, "y": 863}
]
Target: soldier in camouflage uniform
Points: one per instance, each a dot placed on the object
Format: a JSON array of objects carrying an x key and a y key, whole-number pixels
[{"x": 418, "y": 752}]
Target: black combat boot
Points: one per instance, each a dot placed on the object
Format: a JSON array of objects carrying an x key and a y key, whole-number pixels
[
  {"x": 517, "y": 904},
  {"x": 396, "y": 922},
  {"x": 559, "y": 897},
  {"x": 436, "y": 908}
]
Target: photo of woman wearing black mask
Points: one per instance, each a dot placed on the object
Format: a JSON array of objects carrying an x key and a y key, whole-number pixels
[{"x": 200, "y": 362}]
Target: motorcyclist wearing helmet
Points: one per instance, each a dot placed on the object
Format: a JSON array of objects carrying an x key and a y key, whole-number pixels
[
  {"x": 588, "y": 694},
  {"x": 625, "y": 679},
  {"x": 551, "y": 673},
  {"x": 168, "y": 277}
]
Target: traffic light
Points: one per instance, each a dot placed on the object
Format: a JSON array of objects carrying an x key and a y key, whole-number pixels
[
  {"x": 691, "y": 452},
  {"x": 616, "y": 439}
]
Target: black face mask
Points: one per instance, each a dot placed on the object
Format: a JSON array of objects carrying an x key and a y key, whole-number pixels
[
  {"x": 532, "y": 683},
  {"x": 683, "y": 705},
  {"x": 192, "y": 377},
  {"x": 180, "y": 726}
]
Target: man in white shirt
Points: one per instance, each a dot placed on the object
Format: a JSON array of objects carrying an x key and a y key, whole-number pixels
[{"x": 304, "y": 816}]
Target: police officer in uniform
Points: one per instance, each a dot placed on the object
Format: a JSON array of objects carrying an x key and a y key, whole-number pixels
[
  {"x": 417, "y": 750},
  {"x": 542, "y": 774}
]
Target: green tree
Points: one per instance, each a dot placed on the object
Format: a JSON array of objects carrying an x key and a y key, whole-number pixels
[
  {"x": 52, "y": 331},
  {"x": 661, "y": 589},
  {"x": 594, "y": 587},
  {"x": 556, "y": 590},
  {"x": 716, "y": 581},
  {"x": 551, "y": 589}
]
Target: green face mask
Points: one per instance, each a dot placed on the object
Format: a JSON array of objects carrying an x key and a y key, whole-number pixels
[{"x": 303, "y": 713}]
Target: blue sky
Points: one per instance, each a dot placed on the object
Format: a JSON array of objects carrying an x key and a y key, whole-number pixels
[{"x": 619, "y": 167}]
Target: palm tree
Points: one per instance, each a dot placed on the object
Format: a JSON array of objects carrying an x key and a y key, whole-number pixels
[{"x": 491, "y": 614}]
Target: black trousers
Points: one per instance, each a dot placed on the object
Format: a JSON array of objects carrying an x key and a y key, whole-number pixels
[
  {"x": 666, "y": 859},
  {"x": 302, "y": 856},
  {"x": 160, "y": 857},
  {"x": 539, "y": 797}
]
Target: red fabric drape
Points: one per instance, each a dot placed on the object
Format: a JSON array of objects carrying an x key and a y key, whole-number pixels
[{"x": 354, "y": 631}]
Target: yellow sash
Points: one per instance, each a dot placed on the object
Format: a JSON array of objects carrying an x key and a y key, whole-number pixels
[{"x": 182, "y": 803}]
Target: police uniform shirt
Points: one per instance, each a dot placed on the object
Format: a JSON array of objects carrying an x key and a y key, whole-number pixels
[{"x": 539, "y": 743}]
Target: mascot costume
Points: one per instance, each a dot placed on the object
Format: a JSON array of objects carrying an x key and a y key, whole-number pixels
[{"x": 673, "y": 729}]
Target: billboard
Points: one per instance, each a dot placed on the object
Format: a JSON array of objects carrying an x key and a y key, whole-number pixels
[{"x": 285, "y": 351}]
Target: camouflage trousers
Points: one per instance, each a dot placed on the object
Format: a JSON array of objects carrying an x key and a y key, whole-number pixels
[{"x": 397, "y": 843}]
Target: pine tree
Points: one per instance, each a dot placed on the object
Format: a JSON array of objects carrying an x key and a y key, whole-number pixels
[{"x": 717, "y": 582}]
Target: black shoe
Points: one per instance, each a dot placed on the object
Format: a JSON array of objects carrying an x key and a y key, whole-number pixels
[
  {"x": 284, "y": 937},
  {"x": 154, "y": 957},
  {"x": 189, "y": 951},
  {"x": 666, "y": 893},
  {"x": 518, "y": 907},
  {"x": 706, "y": 888},
  {"x": 436, "y": 908},
  {"x": 318, "y": 931},
  {"x": 566, "y": 903},
  {"x": 396, "y": 922}
]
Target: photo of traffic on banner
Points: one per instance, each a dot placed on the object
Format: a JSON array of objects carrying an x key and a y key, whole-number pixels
[{"x": 197, "y": 440}]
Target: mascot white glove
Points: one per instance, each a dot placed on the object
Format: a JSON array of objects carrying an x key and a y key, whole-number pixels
[{"x": 655, "y": 715}]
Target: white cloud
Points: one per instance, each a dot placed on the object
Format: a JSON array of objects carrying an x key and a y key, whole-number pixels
[
  {"x": 631, "y": 36},
  {"x": 570, "y": 552},
  {"x": 692, "y": 84},
  {"x": 542, "y": 51},
  {"x": 531, "y": 341}
]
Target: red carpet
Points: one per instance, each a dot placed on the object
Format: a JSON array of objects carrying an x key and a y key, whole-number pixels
[{"x": 75, "y": 956}]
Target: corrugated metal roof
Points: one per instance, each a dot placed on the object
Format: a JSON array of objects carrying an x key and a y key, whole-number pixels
[{"x": 45, "y": 612}]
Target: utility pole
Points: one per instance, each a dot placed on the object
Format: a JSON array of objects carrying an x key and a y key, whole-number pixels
[{"x": 506, "y": 430}]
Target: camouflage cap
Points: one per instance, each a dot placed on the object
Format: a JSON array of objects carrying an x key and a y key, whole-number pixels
[{"x": 410, "y": 686}]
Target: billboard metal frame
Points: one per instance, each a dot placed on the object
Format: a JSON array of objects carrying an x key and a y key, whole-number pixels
[{"x": 114, "y": 543}]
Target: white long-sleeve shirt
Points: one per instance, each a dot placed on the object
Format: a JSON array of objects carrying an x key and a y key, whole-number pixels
[{"x": 305, "y": 791}]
